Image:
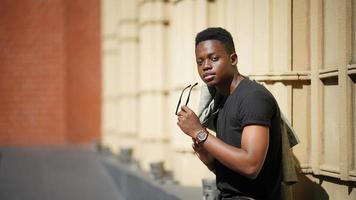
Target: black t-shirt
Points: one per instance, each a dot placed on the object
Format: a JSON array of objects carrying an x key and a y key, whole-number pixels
[{"x": 250, "y": 104}]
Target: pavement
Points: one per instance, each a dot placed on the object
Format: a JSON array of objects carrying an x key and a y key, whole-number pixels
[
  {"x": 79, "y": 173},
  {"x": 55, "y": 173}
]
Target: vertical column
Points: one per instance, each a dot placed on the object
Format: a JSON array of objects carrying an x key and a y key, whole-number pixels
[
  {"x": 237, "y": 17},
  {"x": 345, "y": 85},
  {"x": 280, "y": 47},
  {"x": 128, "y": 74},
  {"x": 110, "y": 71},
  {"x": 354, "y": 88},
  {"x": 152, "y": 129},
  {"x": 316, "y": 57},
  {"x": 244, "y": 39},
  {"x": 187, "y": 168},
  {"x": 230, "y": 18},
  {"x": 281, "y": 28},
  {"x": 272, "y": 47},
  {"x": 301, "y": 89},
  {"x": 201, "y": 15},
  {"x": 261, "y": 36},
  {"x": 301, "y": 35},
  {"x": 354, "y": 32},
  {"x": 330, "y": 160},
  {"x": 216, "y": 13}
]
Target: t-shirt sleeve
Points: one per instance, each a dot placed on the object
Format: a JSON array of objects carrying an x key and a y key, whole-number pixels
[{"x": 257, "y": 109}]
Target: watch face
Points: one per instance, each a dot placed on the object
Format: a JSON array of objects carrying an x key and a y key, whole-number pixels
[{"x": 201, "y": 135}]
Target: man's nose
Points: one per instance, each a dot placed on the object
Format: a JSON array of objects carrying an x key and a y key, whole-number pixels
[{"x": 207, "y": 65}]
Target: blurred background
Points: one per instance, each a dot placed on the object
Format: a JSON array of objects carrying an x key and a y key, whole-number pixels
[{"x": 77, "y": 71}]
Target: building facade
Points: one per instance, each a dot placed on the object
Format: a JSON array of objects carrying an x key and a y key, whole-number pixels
[{"x": 304, "y": 51}]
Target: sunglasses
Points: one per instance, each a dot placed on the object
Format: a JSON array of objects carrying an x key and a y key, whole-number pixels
[{"x": 180, "y": 98}]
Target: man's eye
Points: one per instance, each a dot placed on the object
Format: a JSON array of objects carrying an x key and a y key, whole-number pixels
[
  {"x": 214, "y": 59},
  {"x": 199, "y": 62}
]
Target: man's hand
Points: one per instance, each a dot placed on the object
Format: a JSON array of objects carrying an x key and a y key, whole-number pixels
[
  {"x": 188, "y": 121},
  {"x": 204, "y": 155}
]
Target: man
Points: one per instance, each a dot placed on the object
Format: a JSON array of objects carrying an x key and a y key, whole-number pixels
[{"x": 245, "y": 155}]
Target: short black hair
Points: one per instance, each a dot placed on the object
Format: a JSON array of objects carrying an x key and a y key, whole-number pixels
[{"x": 216, "y": 33}]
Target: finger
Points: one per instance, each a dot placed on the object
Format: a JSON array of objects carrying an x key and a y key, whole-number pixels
[
  {"x": 180, "y": 119},
  {"x": 181, "y": 113},
  {"x": 185, "y": 108}
]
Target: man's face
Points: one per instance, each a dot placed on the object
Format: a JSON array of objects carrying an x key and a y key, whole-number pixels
[{"x": 215, "y": 65}]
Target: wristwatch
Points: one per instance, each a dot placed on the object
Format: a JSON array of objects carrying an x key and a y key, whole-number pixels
[{"x": 201, "y": 136}]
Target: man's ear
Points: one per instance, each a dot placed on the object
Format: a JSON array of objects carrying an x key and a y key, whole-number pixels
[{"x": 234, "y": 59}]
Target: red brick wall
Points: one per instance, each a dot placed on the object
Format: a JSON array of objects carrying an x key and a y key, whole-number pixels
[
  {"x": 83, "y": 61},
  {"x": 49, "y": 72}
]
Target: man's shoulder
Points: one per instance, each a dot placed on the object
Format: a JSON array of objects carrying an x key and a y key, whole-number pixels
[{"x": 251, "y": 88}]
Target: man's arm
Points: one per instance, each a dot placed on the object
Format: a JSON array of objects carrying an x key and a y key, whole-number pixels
[
  {"x": 204, "y": 156},
  {"x": 247, "y": 160}
]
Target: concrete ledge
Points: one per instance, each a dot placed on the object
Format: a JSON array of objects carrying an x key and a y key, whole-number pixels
[
  {"x": 135, "y": 184},
  {"x": 55, "y": 173}
]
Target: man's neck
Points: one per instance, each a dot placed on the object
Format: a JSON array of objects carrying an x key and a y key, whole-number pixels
[{"x": 230, "y": 85}]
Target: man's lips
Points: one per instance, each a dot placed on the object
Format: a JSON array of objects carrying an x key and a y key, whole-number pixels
[{"x": 208, "y": 76}]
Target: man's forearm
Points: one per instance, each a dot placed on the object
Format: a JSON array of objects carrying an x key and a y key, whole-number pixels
[
  {"x": 248, "y": 159},
  {"x": 204, "y": 156}
]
